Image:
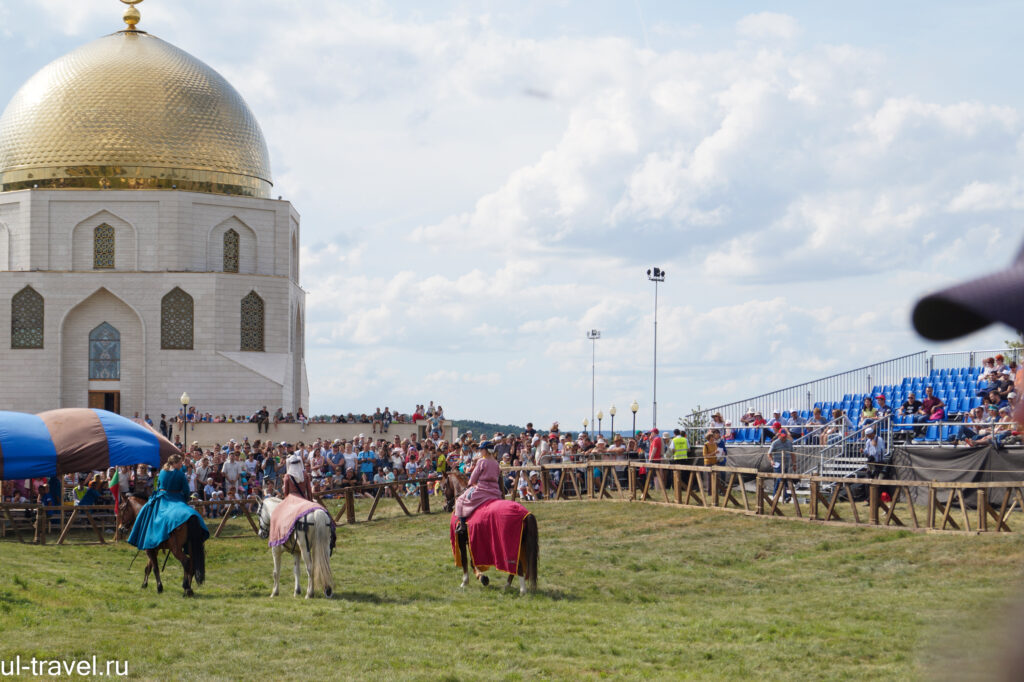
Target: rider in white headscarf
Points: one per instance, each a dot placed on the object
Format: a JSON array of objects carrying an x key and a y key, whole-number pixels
[{"x": 295, "y": 481}]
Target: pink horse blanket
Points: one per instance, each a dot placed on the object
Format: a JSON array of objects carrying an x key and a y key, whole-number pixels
[
  {"x": 287, "y": 514},
  {"x": 495, "y": 535}
]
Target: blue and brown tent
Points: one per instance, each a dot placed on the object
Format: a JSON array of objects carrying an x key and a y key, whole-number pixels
[{"x": 75, "y": 440}]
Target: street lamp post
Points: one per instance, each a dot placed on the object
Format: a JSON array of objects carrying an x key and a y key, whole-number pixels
[
  {"x": 600, "y": 416},
  {"x": 184, "y": 403},
  {"x": 586, "y": 423},
  {"x": 656, "y": 275},
  {"x": 612, "y": 413},
  {"x": 634, "y": 407},
  {"x": 593, "y": 335}
]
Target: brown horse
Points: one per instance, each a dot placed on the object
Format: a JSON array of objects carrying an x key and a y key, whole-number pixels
[
  {"x": 452, "y": 485},
  {"x": 526, "y": 568},
  {"x": 185, "y": 543}
]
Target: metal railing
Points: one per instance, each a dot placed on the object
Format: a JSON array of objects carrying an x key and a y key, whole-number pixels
[
  {"x": 970, "y": 358},
  {"x": 830, "y": 388}
]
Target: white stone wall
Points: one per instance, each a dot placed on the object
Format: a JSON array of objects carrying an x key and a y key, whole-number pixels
[{"x": 164, "y": 239}]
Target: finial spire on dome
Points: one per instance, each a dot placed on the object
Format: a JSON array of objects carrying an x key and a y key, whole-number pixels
[{"x": 132, "y": 16}]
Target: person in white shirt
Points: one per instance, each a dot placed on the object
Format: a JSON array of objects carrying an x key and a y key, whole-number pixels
[{"x": 232, "y": 470}]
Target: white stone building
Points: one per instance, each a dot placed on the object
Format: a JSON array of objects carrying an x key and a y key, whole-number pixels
[{"x": 141, "y": 255}]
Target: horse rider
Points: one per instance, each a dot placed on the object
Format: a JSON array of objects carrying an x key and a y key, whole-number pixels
[
  {"x": 166, "y": 510},
  {"x": 484, "y": 485},
  {"x": 295, "y": 481}
]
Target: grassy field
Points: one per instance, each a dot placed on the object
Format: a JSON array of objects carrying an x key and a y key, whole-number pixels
[{"x": 626, "y": 591}]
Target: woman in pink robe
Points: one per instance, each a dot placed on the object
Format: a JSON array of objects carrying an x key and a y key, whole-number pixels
[{"x": 484, "y": 485}]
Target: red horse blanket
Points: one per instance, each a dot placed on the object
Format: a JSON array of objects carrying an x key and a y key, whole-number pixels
[
  {"x": 287, "y": 514},
  {"x": 495, "y": 534}
]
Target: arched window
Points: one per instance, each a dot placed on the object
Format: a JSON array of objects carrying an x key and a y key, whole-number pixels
[
  {"x": 103, "y": 247},
  {"x": 252, "y": 322},
  {"x": 105, "y": 353},
  {"x": 27, "y": 319},
  {"x": 230, "y": 251},
  {"x": 176, "y": 320}
]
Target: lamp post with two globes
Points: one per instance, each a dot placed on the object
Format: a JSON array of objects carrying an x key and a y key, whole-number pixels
[{"x": 634, "y": 407}]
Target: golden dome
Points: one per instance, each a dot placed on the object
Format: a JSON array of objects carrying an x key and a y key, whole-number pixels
[{"x": 130, "y": 111}]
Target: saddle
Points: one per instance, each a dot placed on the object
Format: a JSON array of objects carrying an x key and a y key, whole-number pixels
[{"x": 289, "y": 515}]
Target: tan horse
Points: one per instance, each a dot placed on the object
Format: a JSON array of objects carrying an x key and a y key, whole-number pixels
[{"x": 185, "y": 543}]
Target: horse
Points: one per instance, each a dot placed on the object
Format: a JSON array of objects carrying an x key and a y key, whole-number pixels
[
  {"x": 311, "y": 539},
  {"x": 452, "y": 485},
  {"x": 526, "y": 567},
  {"x": 186, "y": 543}
]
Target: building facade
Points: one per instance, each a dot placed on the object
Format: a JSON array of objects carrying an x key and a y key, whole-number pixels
[{"x": 141, "y": 255}]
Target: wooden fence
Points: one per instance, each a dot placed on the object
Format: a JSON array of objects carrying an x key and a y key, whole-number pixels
[{"x": 947, "y": 505}]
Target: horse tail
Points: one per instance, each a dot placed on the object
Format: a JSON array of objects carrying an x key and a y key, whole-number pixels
[
  {"x": 196, "y": 549},
  {"x": 320, "y": 550},
  {"x": 531, "y": 547}
]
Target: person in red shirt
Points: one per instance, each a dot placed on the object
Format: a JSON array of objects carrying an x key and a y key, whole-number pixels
[{"x": 654, "y": 454}]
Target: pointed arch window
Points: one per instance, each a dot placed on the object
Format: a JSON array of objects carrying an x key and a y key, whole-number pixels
[
  {"x": 103, "y": 247},
  {"x": 177, "y": 311},
  {"x": 252, "y": 322},
  {"x": 105, "y": 353},
  {"x": 231, "y": 251},
  {"x": 27, "y": 319}
]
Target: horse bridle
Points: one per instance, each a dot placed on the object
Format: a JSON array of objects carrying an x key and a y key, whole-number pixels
[
  {"x": 264, "y": 531},
  {"x": 123, "y": 508}
]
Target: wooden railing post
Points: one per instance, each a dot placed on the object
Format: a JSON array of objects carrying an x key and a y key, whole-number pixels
[
  {"x": 982, "y": 510},
  {"x": 931, "y": 508},
  {"x": 760, "y": 495},
  {"x": 814, "y": 499},
  {"x": 632, "y": 482},
  {"x": 424, "y": 497},
  {"x": 590, "y": 481},
  {"x": 40, "y": 538},
  {"x": 545, "y": 484},
  {"x": 677, "y": 485},
  {"x": 873, "y": 504},
  {"x": 350, "y": 506}
]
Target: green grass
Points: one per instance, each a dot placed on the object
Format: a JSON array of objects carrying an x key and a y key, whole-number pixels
[{"x": 626, "y": 591}]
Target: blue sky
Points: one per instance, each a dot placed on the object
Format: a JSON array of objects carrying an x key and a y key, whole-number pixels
[{"x": 483, "y": 182}]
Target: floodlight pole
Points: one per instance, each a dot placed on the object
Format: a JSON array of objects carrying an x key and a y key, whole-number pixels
[
  {"x": 593, "y": 335},
  {"x": 656, "y": 275}
]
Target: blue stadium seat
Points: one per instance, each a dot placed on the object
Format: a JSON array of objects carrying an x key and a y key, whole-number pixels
[
  {"x": 975, "y": 402},
  {"x": 805, "y": 414},
  {"x": 931, "y": 435},
  {"x": 949, "y": 433}
]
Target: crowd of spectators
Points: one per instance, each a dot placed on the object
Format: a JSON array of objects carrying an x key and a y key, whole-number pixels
[{"x": 379, "y": 421}]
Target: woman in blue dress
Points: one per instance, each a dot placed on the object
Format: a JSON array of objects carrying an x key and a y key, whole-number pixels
[{"x": 166, "y": 510}]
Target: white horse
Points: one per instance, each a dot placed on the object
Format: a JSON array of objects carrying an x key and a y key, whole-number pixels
[{"x": 310, "y": 539}]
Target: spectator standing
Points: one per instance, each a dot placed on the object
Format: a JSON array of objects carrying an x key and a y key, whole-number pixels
[
  {"x": 232, "y": 470},
  {"x": 777, "y": 451}
]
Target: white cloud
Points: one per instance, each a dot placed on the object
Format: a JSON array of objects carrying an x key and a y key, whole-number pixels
[{"x": 768, "y": 25}]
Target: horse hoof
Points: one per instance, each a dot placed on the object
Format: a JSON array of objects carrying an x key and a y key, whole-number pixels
[
  {"x": 485, "y": 581},
  {"x": 328, "y": 592},
  {"x": 159, "y": 588}
]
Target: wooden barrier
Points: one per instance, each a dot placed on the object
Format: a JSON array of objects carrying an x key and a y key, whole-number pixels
[{"x": 829, "y": 499}]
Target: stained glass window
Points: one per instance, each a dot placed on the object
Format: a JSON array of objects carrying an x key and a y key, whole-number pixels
[
  {"x": 176, "y": 320},
  {"x": 27, "y": 319},
  {"x": 103, "y": 247},
  {"x": 230, "y": 251},
  {"x": 104, "y": 353},
  {"x": 252, "y": 322}
]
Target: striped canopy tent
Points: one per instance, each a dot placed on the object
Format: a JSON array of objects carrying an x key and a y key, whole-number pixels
[{"x": 75, "y": 440}]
